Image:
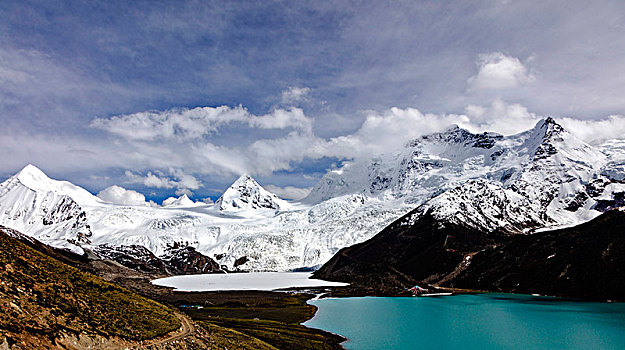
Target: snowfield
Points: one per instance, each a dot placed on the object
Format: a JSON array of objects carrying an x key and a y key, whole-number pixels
[
  {"x": 244, "y": 281},
  {"x": 541, "y": 178}
]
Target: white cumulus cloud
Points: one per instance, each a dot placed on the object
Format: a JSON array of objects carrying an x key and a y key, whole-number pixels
[
  {"x": 180, "y": 180},
  {"x": 382, "y": 132},
  {"x": 596, "y": 131},
  {"x": 119, "y": 195},
  {"x": 500, "y": 71}
]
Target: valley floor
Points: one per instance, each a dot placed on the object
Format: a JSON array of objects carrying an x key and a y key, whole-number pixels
[{"x": 230, "y": 319}]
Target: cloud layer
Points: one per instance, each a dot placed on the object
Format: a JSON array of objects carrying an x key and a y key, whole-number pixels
[
  {"x": 288, "y": 192},
  {"x": 184, "y": 97},
  {"x": 192, "y": 150}
]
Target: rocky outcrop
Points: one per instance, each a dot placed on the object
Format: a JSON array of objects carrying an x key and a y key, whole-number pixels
[
  {"x": 185, "y": 260},
  {"x": 178, "y": 260}
]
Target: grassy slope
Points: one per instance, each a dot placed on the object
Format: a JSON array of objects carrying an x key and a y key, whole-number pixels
[
  {"x": 41, "y": 296},
  {"x": 273, "y": 318},
  {"x": 281, "y": 335},
  {"x": 226, "y": 338}
]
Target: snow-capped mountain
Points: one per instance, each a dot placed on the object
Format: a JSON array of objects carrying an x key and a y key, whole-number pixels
[
  {"x": 543, "y": 177},
  {"x": 182, "y": 201},
  {"x": 46, "y": 209},
  {"x": 271, "y": 233},
  {"x": 246, "y": 194}
]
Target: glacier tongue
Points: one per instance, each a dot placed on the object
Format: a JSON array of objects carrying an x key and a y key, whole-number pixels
[{"x": 543, "y": 177}]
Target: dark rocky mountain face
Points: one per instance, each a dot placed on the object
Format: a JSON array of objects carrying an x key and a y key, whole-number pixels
[
  {"x": 583, "y": 261},
  {"x": 134, "y": 257},
  {"x": 178, "y": 260},
  {"x": 404, "y": 253},
  {"x": 184, "y": 260}
]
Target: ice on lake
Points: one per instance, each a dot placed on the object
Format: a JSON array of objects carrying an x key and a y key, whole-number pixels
[{"x": 244, "y": 281}]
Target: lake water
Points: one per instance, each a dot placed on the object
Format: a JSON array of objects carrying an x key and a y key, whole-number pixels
[{"x": 480, "y": 321}]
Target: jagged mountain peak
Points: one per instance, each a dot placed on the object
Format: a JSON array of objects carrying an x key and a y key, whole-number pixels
[
  {"x": 548, "y": 128},
  {"x": 548, "y": 138},
  {"x": 457, "y": 135},
  {"x": 245, "y": 180},
  {"x": 549, "y": 121},
  {"x": 246, "y": 193}
]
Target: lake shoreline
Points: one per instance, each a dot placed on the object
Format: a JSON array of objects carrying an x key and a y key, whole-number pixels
[{"x": 499, "y": 320}]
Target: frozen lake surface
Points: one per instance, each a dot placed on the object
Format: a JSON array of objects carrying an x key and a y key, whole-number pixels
[{"x": 243, "y": 281}]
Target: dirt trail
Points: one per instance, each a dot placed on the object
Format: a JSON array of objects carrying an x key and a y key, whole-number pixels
[{"x": 187, "y": 328}]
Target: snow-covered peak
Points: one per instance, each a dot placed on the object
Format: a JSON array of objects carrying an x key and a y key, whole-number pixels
[
  {"x": 245, "y": 194},
  {"x": 549, "y": 127},
  {"x": 548, "y": 139},
  {"x": 36, "y": 180},
  {"x": 458, "y": 135},
  {"x": 33, "y": 177},
  {"x": 182, "y": 201},
  {"x": 420, "y": 169},
  {"x": 47, "y": 209}
]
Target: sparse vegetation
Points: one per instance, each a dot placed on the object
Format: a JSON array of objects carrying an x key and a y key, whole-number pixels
[
  {"x": 224, "y": 338},
  {"x": 273, "y": 318},
  {"x": 281, "y": 307},
  {"x": 42, "y": 296},
  {"x": 281, "y": 335},
  {"x": 42, "y": 299}
]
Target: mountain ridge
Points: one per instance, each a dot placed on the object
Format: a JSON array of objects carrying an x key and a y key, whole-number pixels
[{"x": 541, "y": 178}]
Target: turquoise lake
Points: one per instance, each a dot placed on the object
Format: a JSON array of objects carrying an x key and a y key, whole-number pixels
[{"x": 480, "y": 321}]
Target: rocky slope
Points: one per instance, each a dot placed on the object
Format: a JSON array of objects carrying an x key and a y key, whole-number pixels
[
  {"x": 46, "y": 303},
  {"x": 583, "y": 261},
  {"x": 177, "y": 260},
  {"x": 406, "y": 252}
]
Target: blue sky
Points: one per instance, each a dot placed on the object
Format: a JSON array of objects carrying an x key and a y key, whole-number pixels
[{"x": 184, "y": 96}]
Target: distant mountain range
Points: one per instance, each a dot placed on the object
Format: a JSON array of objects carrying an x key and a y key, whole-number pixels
[{"x": 487, "y": 183}]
